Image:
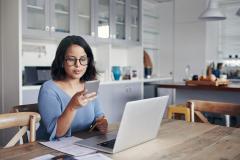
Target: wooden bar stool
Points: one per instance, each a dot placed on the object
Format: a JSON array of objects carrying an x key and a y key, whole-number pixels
[{"x": 179, "y": 109}]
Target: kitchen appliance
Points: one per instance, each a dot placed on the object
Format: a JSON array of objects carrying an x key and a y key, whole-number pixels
[{"x": 36, "y": 75}]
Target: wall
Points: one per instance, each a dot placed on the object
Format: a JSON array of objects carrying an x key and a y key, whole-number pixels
[
  {"x": 190, "y": 37},
  {"x": 1, "y": 67},
  {"x": 212, "y": 41},
  {"x": 10, "y": 51},
  {"x": 166, "y": 38}
]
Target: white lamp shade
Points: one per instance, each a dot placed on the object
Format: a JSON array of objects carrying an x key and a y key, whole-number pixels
[{"x": 212, "y": 13}]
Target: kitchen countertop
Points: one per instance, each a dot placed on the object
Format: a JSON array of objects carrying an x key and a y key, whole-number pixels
[{"x": 232, "y": 87}]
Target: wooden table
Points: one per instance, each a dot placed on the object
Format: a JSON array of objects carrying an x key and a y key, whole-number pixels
[{"x": 176, "y": 140}]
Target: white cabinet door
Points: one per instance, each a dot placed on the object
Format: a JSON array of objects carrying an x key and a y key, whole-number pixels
[
  {"x": 36, "y": 19},
  {"x": 45, "y": 18},
  {"x": 83, "y": 17},
  {"x": 113, "y": 98},
  {"x": 30, "y": 96}
]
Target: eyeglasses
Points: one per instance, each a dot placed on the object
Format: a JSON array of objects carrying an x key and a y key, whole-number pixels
[{"x": 72, "y": 61}]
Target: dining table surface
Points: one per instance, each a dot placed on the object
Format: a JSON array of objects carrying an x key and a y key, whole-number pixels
[{"x": 176, "y": 140}]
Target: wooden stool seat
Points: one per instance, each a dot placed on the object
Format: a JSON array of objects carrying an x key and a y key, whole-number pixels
[{"x": 180, "y": 109}]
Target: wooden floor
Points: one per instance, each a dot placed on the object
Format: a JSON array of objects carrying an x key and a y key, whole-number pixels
[{"x": 177, "y": 140}]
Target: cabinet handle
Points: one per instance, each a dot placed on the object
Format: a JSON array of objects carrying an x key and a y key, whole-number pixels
[
  {"x": 47, "y": 28},
  {"x": 52, "y": 29}
]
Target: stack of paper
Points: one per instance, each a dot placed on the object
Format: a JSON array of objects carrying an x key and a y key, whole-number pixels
[{"x": 66, "y": 145}]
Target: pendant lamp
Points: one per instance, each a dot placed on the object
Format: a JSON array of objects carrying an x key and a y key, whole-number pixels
[{"x": 212, "y": 13}]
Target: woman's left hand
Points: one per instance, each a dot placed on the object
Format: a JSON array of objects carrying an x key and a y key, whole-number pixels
[{"x": 102, "y": 124}]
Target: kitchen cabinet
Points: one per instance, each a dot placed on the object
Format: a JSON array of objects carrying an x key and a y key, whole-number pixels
[
  {"x": 83, "y": 17},
  {"x": 45, "y": 18},
  {"x": 58, "y": 18},
  {"x": 102, "y": 18},
  {"x": 118, "y": 19},
  {"x": 109, "y": 19},
  {"x": 135, "y": 20}
]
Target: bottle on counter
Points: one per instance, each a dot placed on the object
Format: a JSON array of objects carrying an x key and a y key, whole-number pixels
[{"x": 188, "y": 75}]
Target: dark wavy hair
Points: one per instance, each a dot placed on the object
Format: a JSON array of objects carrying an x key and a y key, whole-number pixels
[{"x": 57, "y": 69}]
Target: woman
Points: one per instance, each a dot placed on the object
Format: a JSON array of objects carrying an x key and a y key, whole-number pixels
[{"x": 64, "y": 105}]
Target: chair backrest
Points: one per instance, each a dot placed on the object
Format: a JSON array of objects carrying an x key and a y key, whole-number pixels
[
  {"x": 198, "y": 106},
  {"x": 22, "y": 119},
  {"x": 26, "y": 108}
]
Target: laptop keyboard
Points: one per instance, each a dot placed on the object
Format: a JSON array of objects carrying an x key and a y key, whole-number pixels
[{"x": 108, "y": 144}]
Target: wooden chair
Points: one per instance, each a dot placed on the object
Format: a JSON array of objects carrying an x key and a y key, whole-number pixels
[
  {"x": 198, "y": 106},
  {"x": 22, "y": 119},
  {"x": 179, "y": 109},
  {"x": 26, "y": 108}
]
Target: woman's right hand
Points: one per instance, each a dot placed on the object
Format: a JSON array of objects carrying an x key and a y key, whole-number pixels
[{"x": 81, "y": 99}]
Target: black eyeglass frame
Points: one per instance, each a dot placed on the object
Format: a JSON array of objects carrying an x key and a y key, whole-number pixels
[{"x": 75, "y": 60}]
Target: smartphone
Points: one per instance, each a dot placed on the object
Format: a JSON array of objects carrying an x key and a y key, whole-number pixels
[{"x": 92, "y": 86}]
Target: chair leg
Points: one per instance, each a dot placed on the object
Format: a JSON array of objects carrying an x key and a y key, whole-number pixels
[
  {"x": 227, "y": 120},
  {"x": 15, "y": 139},
  {"x": 32, "y": 128},
  {"x": 169, "y": 113},
  {"x": 187, "y": 115}
]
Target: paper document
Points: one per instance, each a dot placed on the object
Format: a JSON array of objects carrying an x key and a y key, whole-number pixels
[
  {"x": 97, "y": 156},
  {"x": 66, "y": 145},
  {"x": 44, "y": 157}
]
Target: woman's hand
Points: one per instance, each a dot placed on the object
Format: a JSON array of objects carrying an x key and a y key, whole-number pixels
[
  {"x": 81, "y": 99},
  {"x": 102, "y": 124}
]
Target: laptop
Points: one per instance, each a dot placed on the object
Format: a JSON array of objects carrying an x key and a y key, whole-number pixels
[{"x": 140, "y": 123}]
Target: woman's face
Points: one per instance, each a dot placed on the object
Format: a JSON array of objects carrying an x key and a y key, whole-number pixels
[{"x": 76, "y": 62}]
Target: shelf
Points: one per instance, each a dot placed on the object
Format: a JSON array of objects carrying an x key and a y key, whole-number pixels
[
  {"x": 120, "y": 82},
  {"x": 33, "y": 87},
  {"x": 151, "y": 48},
  {"x": 103, "y": 19},
  {"x": 231, "y": 59},
  {"x": 61, "y": 12},
  {"x": 120, "y": 2},
  {"x": 134, "y": 6},
  {"x": 84, "y": 16},
  {"x": 150, "y": 16},
  {"x": 35, "y": 7},
  {"x": 151, "y": 32},
  {"x": 120, "y": 23},
  {"x": 134, "y": 26},
  {"x": 153, "y": 79}
]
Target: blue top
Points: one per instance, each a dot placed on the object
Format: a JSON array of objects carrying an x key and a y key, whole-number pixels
[{"x": 52, "y": 101}]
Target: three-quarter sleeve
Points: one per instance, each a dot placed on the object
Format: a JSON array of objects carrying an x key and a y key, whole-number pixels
[
  {"x": 50, "y": 109},
  {"x": 97, "y": 109}
]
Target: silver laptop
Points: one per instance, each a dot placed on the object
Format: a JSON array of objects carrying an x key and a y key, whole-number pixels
[{"x": 140, "y": 123}]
